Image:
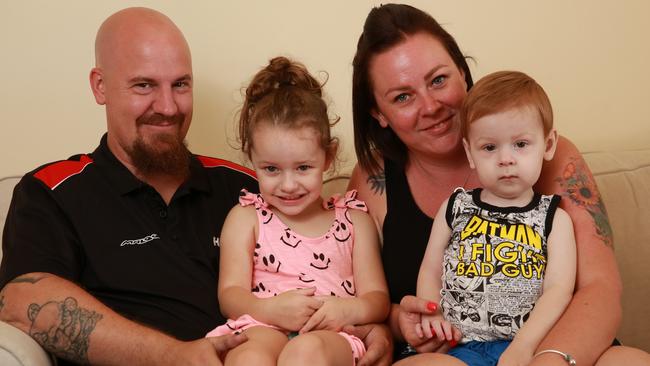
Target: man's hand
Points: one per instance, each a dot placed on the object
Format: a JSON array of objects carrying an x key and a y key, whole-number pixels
[
  {"x": 205, "y": 351},
  {"x": 410, "y": 316},
  {"x": 378, "y": 341}
]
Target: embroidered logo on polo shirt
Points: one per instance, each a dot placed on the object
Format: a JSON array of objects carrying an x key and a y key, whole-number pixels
[{"x": 144, "y": 240}]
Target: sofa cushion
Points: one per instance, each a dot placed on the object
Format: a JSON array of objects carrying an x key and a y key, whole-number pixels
[
  {"x": 7, "y": 185},
  {"x": 623, "y": 179}
]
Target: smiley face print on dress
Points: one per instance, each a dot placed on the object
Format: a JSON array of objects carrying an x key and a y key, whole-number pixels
[
  {"x": 320, "y": 261},
  {"x": 289, "y": 239},
  {"x": 305, "y": 278},
  {"x": 259, "y": 288},
  {"x": 270, "y": 263},
  {"x": 265, "y": 214},
  {"x": 341, "y": 231},
  {"x": 348, "y": 287}
]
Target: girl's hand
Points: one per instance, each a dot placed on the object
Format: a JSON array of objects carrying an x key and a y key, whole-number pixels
[
  {"x": 292, "y": 309},
  {"x": 334, "y": 314}
]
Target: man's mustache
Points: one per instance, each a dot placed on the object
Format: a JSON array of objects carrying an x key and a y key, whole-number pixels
[{"x": 157, "y": 119}]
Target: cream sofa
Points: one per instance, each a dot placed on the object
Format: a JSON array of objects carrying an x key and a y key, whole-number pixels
[{"x": 623, "y": 178}]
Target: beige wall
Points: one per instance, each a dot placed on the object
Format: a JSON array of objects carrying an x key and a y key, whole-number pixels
[{"x": 592, "y": 57}]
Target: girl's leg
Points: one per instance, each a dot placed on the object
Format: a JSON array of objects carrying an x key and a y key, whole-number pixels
[
  {"x": 317, "y": 348},
  {"x": 428, "y": 359},
  {"x": 262, "y": 348}
]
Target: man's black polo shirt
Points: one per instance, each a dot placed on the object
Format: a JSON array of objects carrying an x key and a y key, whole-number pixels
[{"x": 89, "y": 220}]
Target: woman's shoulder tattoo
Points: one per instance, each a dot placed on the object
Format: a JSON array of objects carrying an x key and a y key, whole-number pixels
[{"x": 377, "y": 182}]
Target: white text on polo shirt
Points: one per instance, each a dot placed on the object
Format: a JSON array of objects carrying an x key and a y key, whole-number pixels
[{"x": 144, "y": 240}]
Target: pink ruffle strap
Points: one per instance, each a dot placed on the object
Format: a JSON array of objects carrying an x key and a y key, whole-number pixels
[
  {"x": 348, "y": 201},
  {"x": 246, "y": 198}
]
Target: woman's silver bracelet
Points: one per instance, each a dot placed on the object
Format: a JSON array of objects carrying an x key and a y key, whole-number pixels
[{"x": 567, "y": 357}]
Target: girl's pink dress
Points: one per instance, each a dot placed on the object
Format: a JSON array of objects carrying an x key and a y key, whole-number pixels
[{"x": 285, "y": 260}]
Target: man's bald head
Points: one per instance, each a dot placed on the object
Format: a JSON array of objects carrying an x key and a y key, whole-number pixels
[
  {"x": 143, "y": 75},
  {"x": 134, "y": 27}
]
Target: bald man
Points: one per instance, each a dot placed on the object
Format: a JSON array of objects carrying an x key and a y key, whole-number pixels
[
  {"x": 112, "y": 257},
  {"x": 103, "y": 248}
]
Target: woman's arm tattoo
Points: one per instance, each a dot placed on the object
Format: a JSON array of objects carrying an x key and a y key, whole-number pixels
[
  {"x": 377, "y": 182},
  {"x": 63, "y": 328},
  {"x": 581, "y": 189}
]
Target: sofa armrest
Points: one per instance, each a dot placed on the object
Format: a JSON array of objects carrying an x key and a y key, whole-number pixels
[{"x": 19, "y": 349}]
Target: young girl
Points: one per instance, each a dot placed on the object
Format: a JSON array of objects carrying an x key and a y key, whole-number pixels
[
  {"x": 294, "y": 269},
  {"x": 501, "y": 259}
]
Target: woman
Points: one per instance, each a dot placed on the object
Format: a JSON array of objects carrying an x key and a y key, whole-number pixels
[{"x": 409, "y": 81}]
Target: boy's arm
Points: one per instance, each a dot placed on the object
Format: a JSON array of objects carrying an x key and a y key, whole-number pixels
[
  {"x": 558, "y": 286},
  {"x": 430, "y": 275}
]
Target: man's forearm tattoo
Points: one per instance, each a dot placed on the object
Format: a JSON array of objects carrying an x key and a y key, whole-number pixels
[
  {"x": 377, "y": 182},
  {"x": 27, "y": 279},
  {"x": 63, "y": 328},
  {"x": 581, "y": 189}
]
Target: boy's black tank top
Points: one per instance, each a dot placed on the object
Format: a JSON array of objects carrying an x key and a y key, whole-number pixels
[{"x": 406, "y": 233}]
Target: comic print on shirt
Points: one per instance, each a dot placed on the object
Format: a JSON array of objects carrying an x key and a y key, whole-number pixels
[{"x": 494, "y": 264}]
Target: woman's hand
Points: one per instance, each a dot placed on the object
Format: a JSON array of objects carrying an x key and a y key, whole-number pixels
[{"x": 410, "y": 319}]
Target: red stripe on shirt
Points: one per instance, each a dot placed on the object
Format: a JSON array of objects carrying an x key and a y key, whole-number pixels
[
  {"x": 209, "y": 162},
  {"x": 56, "y": 173}
]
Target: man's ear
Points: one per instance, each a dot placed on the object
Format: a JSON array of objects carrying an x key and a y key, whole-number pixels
[
  {"x": 550, "y": 144},
  {"x": 469, "y": 156},
  {"x": 383, "y": 122},
  {"x": 97, "y": 85}
]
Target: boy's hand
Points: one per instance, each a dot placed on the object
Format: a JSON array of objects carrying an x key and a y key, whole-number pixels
[
  {"x": 411, "y": 311},
  {"x": 434, "y": 326}
]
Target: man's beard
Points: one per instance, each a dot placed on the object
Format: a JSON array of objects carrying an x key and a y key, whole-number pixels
[{"x": 165, "y": 154}]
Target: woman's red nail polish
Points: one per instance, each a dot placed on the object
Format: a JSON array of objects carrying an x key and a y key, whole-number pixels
[
  {"x": 453, "y": 343},
  {"x": 432, "y": 306}
]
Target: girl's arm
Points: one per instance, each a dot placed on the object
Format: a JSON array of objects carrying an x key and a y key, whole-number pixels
[
  {"x": 289, "y": 310},
  {"x": 371, "y": 302},
  {"x": 236, "y": 263},
  {"x": 557, "y": 290},
  {"x": 591, "y": 320},
  {"x": 370, "y": 283}
]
